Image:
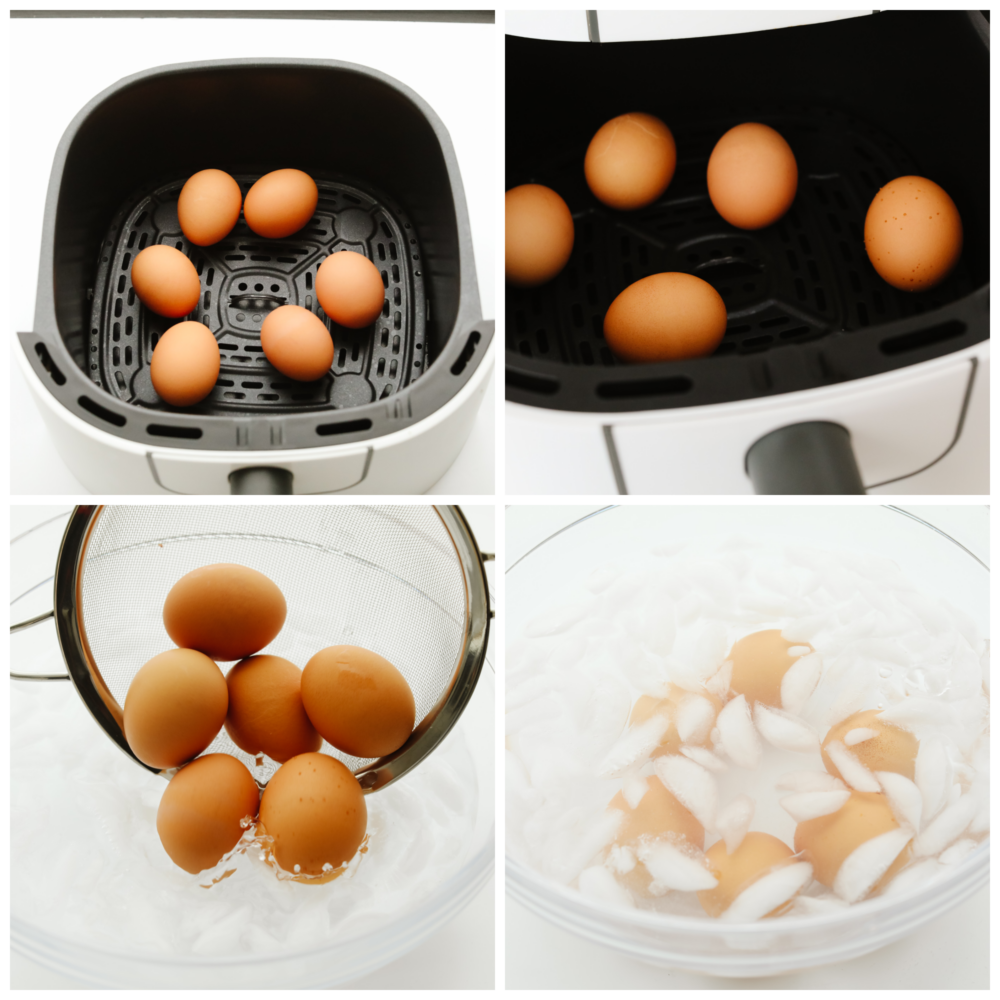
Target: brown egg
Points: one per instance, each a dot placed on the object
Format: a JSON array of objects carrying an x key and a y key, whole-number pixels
[
  {"x": 913, "y": 234},
  {"x": 893, "y": 749},
  {"x": 314, "y": 809},
  {"x": 280, "y": 203},
  {"x": 174, "y": 708},
  {"x": 209, "y": 206},
  {"x": 538, "y": 237},
  {"x": 185, "y": 364},
  {"x": 760, "y": 662},
  {"x": 199, "y": 815},
  {"x": 166, "y": 281},
  {"x": 297, "y": 343},
  {"x": 658, "y": 813},
  {"x": 646, "y": 706},
  {"x": 665, "y": 317},
  {"x": 358, "y": 701},
  {"x": 826, "y": 841},
  {"x": 757, "y": 856},
  {"x": 227, "y": 611},
  {"x": 350, "y": 290},
  {"x": 752, "y": 176},
  {"x": 630, "y": 161},
  {"x": 265, "y": 709}
]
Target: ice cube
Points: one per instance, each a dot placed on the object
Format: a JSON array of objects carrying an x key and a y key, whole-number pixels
[
  {"x": 946, "y": 827},
  {"x": 932, "y": 775},
  {"x": 672, "y": 868},
  {"x": 851, "y": 769},
  {"x": 718, "y": 683},
  {"x": 737, "y": 733},
  {"x": 557, "y": 619},
  {"x": 706, "y": 758},
  {"x": 868, "y": 862},
  {"x": 957, "y": 852},
  {"x": 768, "y": 893},
  {"x": 784, "y": 731},
  {"x": 634, "y": 787},
  {"x": 809, "y": 805},
  {"x": 695, "y": 716},
  {"x": 620, "y": 859},
  {"x": 633, "y": 746},
  {"x": 800, "y": 681},
  {"x": 733, "y": 821},
  {"x": 859, "y": 735},
  {"x": 903, "y": 796},
  {"x": 691, "y": 784}
]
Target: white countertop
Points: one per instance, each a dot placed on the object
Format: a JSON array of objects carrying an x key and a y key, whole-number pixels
[{"x": 450, "y": 65}]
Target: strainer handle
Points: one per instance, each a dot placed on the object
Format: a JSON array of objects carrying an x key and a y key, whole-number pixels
[{"x": 30, "y": 623}]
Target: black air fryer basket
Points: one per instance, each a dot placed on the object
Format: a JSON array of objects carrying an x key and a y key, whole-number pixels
[
  {"x": 389, "y": 187},
  {"x": 860, "y": 101}
]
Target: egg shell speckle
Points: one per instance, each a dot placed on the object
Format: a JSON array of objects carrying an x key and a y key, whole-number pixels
[
  {"x": 314, "y": 809},
  {"x": 913, "y": 234}
]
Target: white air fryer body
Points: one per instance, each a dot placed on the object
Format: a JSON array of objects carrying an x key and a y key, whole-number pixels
[
  {"x": 900, "y": 423},
  {"x": 407, "y": 461}
]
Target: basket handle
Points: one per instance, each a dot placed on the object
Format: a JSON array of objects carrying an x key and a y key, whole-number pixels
[
  {"x": 260, "y": 481},
  {"x": 31, "y": 623},
  {"x": 814, "y": 457}
]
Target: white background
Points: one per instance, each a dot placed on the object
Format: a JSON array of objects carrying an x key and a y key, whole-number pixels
[
  {"x": 952, "y": 952},
  {"x": 458, "y": 956},
  {"x": 58, "y": 65}
]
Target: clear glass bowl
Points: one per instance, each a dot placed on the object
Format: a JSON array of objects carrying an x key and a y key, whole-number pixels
[
  {"x": 33, "y": 557},
  {"x": 931, "y": 559}
]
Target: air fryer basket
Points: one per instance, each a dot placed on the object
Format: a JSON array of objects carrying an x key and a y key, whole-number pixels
[
  {"x": 806, "y": 308},
  {"x": 389, "y": 188}
]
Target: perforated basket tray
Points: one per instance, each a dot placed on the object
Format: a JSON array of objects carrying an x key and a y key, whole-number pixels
[
  {"x": 390, "y": 187},
  {"x": 805, "y": 306}
]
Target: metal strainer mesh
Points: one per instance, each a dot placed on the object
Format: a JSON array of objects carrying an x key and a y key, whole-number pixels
[{"x": 386, "y": 578}]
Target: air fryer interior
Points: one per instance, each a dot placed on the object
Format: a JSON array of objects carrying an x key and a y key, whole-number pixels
[
  {"x": 805, "y": 306},
  {"x": 389, "y": 187}
]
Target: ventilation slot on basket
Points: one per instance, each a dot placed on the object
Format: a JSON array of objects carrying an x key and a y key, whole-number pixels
[
  {"x": 466, "y": 356},
  {"x": 532, "y": 383},
  {"x": 347, "y": 427},
  {"x": 922, "y": 338},
  {"x": 644, "y": 387},
  {"x": 165, "y": 430},
  {"x": 99, "y": 411},
  {"x": 49, "y": 365}
]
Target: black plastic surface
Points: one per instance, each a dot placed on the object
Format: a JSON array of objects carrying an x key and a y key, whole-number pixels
[
  {"x": 806, "y": 308},
  {"x": 260, "y": 481},
  {"x": 361, "y": 134},
  {"x": 811, "y": 458},
  {"x": 245, "y": 277}
]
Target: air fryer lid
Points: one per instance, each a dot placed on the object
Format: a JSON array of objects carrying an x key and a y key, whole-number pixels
[
  {"x": 806, "y": 308},
  {"x": 389, "y": 187}
]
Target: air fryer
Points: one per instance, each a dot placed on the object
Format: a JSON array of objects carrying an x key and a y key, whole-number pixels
[
  {"x": 861, "y": 101},
  {"x": 397, "y": 404}
]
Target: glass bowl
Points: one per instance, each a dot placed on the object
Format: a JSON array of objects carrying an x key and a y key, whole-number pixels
[
  {"x": 932, "y": 560},
  {"x": 345, "y": 958}
]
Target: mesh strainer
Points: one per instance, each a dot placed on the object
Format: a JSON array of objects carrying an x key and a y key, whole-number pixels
[{"x": 404, "y": 581}]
